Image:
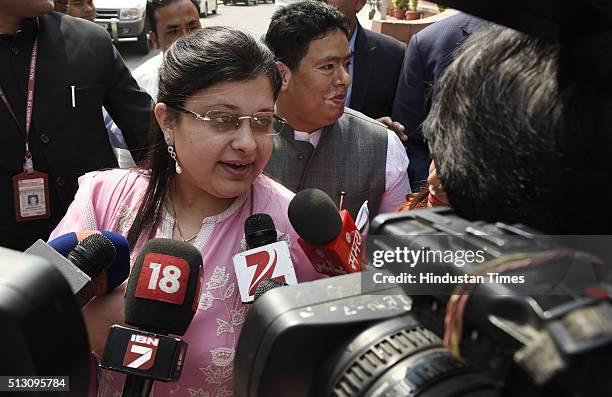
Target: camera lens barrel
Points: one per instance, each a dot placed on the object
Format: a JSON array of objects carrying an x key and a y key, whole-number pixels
[{"x": 401, "y": 358}]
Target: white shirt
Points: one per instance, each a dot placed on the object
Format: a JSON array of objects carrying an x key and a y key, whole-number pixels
[
  {"x": 397, "y": 185},
  {"x": 147, "y": 77}
]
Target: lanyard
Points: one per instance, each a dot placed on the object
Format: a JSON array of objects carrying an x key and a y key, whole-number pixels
[{"x": 28, "y": 165}]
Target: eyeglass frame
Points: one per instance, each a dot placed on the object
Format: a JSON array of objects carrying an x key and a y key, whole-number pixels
[{"x": 199, "y": 117}]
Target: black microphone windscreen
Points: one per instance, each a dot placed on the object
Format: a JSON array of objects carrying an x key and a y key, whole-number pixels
[
  {"x": 164, "y": 286},
  {"x": 259, "y": 230},
  {"x": 93, "y": 255},
  {"x": 266, "y": 285},
  {"x": 315, "y": 217}
]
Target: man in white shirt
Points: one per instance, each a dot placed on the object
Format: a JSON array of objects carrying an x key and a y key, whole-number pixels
[
  {"x": 325, "y": 145},
  {"x": 169, "y": 21}
]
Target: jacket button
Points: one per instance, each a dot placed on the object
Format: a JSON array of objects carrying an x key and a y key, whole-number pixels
[
  {"x": 60, "y": 181},
  {"x": 44, "y": 138},
  {"x": 300, "y": 156},
  {"x": 15, "y": 51}
]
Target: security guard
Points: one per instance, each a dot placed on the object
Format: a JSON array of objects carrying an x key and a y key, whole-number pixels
[{"x": 56, "y": 73}]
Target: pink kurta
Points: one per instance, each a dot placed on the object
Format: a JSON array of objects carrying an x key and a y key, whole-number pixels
[{"x": 109, "y": 200}]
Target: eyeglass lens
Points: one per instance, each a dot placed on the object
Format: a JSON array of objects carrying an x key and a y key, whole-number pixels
[{"x": 223, "y": 121}]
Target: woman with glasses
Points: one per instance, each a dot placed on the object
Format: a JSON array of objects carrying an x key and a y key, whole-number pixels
[{"x": 201, "y": 180}]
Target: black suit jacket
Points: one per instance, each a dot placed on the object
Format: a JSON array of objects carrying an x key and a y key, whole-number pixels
[
  {"x": 65, "y": 141},
  {"x": 427, "y": 57},
  {"x": 377, "y": 64}
]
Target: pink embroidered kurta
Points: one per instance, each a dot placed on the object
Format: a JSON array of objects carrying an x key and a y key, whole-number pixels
[{"x": 109, "y": 200}]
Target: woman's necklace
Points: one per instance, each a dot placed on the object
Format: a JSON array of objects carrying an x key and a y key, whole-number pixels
[{"x": 178, "y": 227}]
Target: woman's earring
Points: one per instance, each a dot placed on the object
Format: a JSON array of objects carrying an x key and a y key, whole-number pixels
[{"x": 172, "y": 153}]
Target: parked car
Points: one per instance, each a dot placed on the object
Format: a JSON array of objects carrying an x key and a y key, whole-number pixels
[
  {"x": 207, "y": 7},
  {"x": 125, "y": 20}
]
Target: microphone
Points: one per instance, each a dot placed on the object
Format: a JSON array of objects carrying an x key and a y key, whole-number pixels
[
  {"x": 330, "y": 240},
  {"x": 118, "y": 271},
  {"x": 84, "y": 263},
  {"x": 161, "y": 298},
  {"x": 266, "y": 257},
  {"x": 265, "y": 286}
]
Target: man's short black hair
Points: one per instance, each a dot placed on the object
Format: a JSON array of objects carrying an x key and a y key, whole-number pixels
[
  {"x": 293, "y": 28},
  {"x": 153, "y": 5}
]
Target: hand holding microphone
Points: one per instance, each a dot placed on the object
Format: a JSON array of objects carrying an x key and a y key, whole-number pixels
[
  {"x": 161, "y": 298},
  {"x": 119, "y": 269},
  {"x": 266, "y": 258},
  {"x": 330, "y": 240},
  {"x": 86, "y": 262}
]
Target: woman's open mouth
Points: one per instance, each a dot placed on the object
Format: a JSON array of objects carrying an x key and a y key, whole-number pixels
[{"x": 236, "y": 168}]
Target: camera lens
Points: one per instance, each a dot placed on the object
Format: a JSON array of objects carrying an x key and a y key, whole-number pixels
[{"x": 400, "y": 358}]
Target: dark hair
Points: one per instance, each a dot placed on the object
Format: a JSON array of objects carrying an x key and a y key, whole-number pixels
[
  {"x": 293, "y": 28},
  {"x": 521, "y": 128},
  {"x": 153, "y": 5},
  {"x": 193, "y": 63}
]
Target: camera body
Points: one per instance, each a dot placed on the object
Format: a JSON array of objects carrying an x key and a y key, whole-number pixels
[
  {"x": 540, "y": 321},
  {"x": 544, "y": 328},
  {"x": 327, "y": 338}
]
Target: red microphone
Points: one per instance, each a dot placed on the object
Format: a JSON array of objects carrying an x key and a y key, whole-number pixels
[{"x": 330, "y": 240}]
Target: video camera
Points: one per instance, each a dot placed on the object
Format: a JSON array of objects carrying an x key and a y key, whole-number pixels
[{"x": 525, "y": 314}]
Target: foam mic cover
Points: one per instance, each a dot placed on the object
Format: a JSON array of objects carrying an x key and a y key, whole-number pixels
[
  {"x": 315, "y": 217},
  {"x": 118, "y": 271},
  {"x": 93, "y": 255},
  {"x": 259, "y": 230},
  {"x": 164, "y": 287},
  {"x": 265, "y": 286}
]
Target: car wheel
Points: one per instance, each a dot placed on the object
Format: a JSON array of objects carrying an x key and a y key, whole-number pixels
[{"x": 142, "y": 43}]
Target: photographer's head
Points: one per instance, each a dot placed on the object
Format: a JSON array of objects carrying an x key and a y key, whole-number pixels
[
  {"x": 309, "y": 40},
  {"x": 520, "y": 131}
]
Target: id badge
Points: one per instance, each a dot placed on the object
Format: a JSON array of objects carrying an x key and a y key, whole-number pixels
[{"x": 31, "y": 196}]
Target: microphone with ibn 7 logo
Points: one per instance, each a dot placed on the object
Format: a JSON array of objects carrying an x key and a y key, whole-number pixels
[
  {"x": 161, "y": 298},
  {"x": 266, "y": 258},
  {"x": 330, "y": 240}
]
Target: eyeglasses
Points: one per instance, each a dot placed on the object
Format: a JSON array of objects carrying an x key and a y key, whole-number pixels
[{"x": 223, "y": 121}]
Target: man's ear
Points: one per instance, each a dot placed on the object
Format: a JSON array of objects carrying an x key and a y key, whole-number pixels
[
  {"x": 285, "y": 73},
  {"x": 154, "y": 40},
  {"x": 164, "y": 120},
  {"x": 359, "y": 5}
]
